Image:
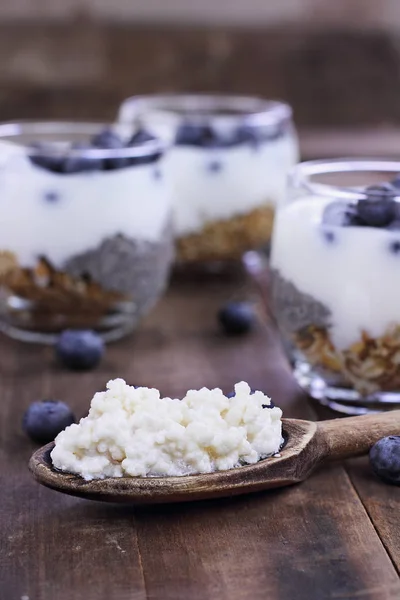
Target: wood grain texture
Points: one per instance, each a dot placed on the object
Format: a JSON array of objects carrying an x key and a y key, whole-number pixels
[
  {"x": 84, "y": 68},
  {"x": 382, "y": 503},
  {"x": 313, "y": 541}
]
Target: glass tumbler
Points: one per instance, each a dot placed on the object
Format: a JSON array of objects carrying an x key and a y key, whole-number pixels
[
  {"x": 85, "y": 229},
  {"x": 335, "y": 291},
  {"x": 227, "y": 167}
]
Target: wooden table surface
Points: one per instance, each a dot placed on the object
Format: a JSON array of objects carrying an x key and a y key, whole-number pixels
[{"x": 335, "y": 536}]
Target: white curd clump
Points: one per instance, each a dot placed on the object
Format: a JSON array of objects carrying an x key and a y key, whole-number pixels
[{"x": 133, "y": 432}]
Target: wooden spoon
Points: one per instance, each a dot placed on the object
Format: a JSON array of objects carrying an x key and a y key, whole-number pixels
[{"x": 308, "y": 444}]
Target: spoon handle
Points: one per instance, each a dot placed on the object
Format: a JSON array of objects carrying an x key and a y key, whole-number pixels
[{"x": 354, "y": 436}]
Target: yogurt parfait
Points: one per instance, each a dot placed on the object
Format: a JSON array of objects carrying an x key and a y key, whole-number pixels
[
  {"x": 336, "y": 281},
  {"x": 228, "y": 167},
  {"x": 85, "y": 234}
]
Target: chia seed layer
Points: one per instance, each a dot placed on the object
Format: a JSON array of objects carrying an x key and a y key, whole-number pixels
[
  {"x": 120, "y": 279},
  {"x": 134, "y": 268},
  {"x": 295, "y": 310}
]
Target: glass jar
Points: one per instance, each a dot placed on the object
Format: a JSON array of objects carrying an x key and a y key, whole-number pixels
[
  {"x": 85, "y": 232},
  {"x": 335, "y": 288},
  {"x": 228, "y": 167}
]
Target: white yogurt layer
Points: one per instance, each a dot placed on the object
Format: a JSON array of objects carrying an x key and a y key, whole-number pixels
[
  {"x": 212, "y": 184},
  {"x": 134, "y": 432},
  {"x": 59, "y": 216},
  {"x": 355, "y": 273}
]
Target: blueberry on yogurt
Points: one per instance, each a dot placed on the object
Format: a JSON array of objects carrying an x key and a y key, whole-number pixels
[
  {"x": 110, "y": 140},
  {"x": 51, "y": 197},
  {"x": 41, "y": 157},
  {"x": 340, "y": 214},
  {"x": 107, "y": 140},
  {"x": 141, "y": 137},
  {"x": 378, "y": 209},
  {"x": 78, "y": 163},
  {"x": 214, "y": 166}
]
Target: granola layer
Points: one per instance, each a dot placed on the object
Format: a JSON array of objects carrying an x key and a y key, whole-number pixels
[
  {"x": 368, "y": 365},
  {"x": 88, "y": 286},
  {"x": 228, "y": 239}
]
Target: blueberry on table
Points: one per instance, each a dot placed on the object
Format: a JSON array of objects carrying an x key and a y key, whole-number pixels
[
  {"x": 44, "y": 420},
  {"x": 79, "y": 350},
  {"x": 384, "y": 458},
  {"x": 236, "y": 318}
]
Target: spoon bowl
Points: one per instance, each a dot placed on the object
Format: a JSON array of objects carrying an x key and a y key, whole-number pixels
[{"x": 307, "y": 445}]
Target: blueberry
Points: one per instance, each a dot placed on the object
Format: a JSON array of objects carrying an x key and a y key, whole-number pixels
[
  {"x": 395, "y": 247},
  {"x": 340, "y": 213},
  {"x": 44, "y": 420},
  {"x": 271, "y": 405},
  {"x": 107, "y": 140},
  {"x": 189, "y": 134},
  {"x": 52, "y": 197},
  {"x": 80, "y": 164},
  {"x": 215, "y": 166},
  {"x": 376, "y": 212},
  {"x": 396, "y": 181},
  {"x": 380, "y": 190},
  {"x": 79, "y": 350},
  {"x": 248, "y": 135},
  {"x": 65, "y": 163},
  {"x": 236, "y": 318},
  {"x": 233, "y": 394},
  {"x": 52, "y": 163},
  {"x": 384, "y": 458},
  {"x": 110, "y": 140},
  {"x": 141, "y": 137},
  {"x": 394, "y": 225},
  {"x": 329, "y": 236}
]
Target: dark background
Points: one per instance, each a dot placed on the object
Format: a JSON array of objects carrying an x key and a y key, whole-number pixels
[{"x": 337, "y": 63}]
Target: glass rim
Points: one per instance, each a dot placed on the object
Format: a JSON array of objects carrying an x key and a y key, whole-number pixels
[
  {"x": 301, "y": 174},
  {"x": 254, "y": 110},
  {"x": 12, "y": 130}
]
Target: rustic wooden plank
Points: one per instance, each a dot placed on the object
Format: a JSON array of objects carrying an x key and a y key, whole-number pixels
[
  {"x": 382, "y": 502},
  {"x": 51, "y": 546},
  {"x": 314, "y": 541},
  {"x": 349, "y": 141},
  {"x": 310, "y": 542}
]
